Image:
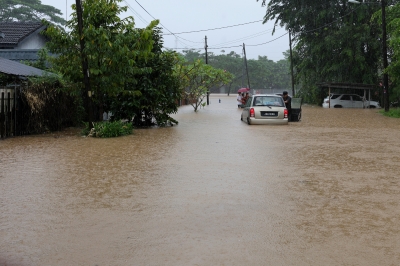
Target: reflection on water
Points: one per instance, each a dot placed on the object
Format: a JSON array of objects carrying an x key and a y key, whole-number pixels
[{"x": 210, "y": 191}]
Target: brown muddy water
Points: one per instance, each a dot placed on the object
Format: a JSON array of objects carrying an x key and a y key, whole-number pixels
[{"x": 210, "y": 191}]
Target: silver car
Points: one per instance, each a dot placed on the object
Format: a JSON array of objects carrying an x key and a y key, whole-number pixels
[{"x": 265, "y": 109}]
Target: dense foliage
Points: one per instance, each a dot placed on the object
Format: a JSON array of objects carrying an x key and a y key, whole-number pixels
[
  {"x": 152, "y": 95},
  {"x": 334, "y": 41},
  {"x": 129, "y": 74},
  {"x": 264, "y": 75}
]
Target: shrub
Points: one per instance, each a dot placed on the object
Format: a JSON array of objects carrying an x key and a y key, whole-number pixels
[{"x": 108, "y": 129}]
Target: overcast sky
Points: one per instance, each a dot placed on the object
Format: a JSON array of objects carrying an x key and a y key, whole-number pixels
[{"x": 200, "y": 17}]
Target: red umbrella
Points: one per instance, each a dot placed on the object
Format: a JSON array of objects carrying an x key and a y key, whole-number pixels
[{"x": 244, "y": 90}]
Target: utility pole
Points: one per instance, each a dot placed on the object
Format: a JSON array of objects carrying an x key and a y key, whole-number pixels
[
  {"x": 85, "y": 67},
  {"x": 291, "y": 62},
  {"x": 247, "y": 70},
  {"x": 208, "y": 89}
]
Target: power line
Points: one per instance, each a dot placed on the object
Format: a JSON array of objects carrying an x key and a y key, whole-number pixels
[
  {"x": 161, "y": 24},
  {"x": 245, "y": 38},
  {"x": 136, "y": 13},
  {"x": 328, "y": 24},
  {"x": 214, "y": 28}
]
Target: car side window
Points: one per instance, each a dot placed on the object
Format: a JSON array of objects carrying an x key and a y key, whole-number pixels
[
  {"x": 356, "y": 98},
  {"x": 345, "y": 98},
  {"x": 258, "y": 101}
]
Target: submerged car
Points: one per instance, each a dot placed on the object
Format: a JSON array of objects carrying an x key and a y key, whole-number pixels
[
  {"x": 348, "y": 101},
  {"x": 265, "y": 109},
  {"x": 343, "y": 101}
]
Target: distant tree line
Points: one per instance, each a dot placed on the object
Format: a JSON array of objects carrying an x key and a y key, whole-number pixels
[{"x": 264, "y": 75}]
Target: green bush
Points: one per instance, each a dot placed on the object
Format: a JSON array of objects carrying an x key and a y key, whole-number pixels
[{"x": 108, "y": 129}]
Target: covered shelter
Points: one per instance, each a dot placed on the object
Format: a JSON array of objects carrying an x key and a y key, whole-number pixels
[
  {"x": 364, "y": 90},
  {"x": 9, "y": 93}
]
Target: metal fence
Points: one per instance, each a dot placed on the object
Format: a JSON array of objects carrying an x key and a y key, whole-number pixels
[
  {"x": 7, "y": 111},
  {"x": 11, "y": 115}
]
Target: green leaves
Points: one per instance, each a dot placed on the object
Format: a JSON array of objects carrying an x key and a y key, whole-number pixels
[
  {"x": 197, "y": 78},
  {"x": 333, "y": 41}
]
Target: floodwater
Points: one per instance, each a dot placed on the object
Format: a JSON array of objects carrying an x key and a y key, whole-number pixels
[{"x": 210, "y": 191}]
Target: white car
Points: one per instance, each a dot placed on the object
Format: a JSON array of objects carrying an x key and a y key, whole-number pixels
[
  {"x": 348, "y": 101},
  {"x": 372, "y": 104}
]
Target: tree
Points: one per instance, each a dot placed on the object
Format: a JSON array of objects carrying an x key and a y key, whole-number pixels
[
  {"x": 196, "y": 79},
  {"x": 29, "y": 10},
  {"x": 155, "y": 94},
  {"x": 113, "y": 47},
  {"x": 233, "y": 63},
  {"x": 393, "y": 26},
  {"x": 334, "y": 41}
]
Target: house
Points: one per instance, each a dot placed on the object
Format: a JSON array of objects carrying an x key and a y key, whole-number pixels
[{"x": 21, "y": 41}]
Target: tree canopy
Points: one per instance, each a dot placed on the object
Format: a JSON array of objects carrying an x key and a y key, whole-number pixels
[
  {"x": 334, "y": 41},
  {"x": 196, "y": 79},
  {"x": 129, "y": 73},
  {"x": 29, "y": 10}
]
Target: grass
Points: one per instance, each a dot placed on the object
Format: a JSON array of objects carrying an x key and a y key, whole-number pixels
[{"x": 393, "y": 112}]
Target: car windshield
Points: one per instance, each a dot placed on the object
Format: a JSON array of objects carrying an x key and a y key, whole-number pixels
[{"x": 268, "y": 101}]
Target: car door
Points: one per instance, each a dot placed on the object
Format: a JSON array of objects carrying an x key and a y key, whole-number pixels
[
  {"x": 357, "y": 101},
  {"x": 246, "y": 109},
  {"x": 346, "y": 101}
]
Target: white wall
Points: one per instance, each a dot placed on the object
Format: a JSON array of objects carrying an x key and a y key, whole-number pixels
[{"x": 34, "y": 41}]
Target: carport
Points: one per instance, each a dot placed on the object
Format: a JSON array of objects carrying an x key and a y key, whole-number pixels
[
  {"x": 9, "y": 94},
  {"x": 365, "y": 88}
]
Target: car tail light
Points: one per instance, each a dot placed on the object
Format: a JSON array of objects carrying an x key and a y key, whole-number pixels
[
  {"x": 252, "y": 113},
  {"x": 285, "y": 113}
]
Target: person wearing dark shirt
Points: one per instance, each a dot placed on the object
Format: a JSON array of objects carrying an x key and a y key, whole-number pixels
[{"x": 288, "y": 103}]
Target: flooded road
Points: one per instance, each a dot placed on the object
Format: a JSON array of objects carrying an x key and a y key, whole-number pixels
[{"x": 210, "y": 191}]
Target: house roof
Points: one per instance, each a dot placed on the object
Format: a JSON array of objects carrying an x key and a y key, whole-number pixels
[
  {"x": 14, "y": 68},
  {"x": 344, "y": 85},
  {"x": 15, "y": 32}
]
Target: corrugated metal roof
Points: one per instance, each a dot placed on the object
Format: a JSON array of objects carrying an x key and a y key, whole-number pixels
[
  {"x": 14, "y": 32},
  {"x": 18, "y": 69},
  {"x": 20, "y": 54},
  {"x": 346, "y": 85}
]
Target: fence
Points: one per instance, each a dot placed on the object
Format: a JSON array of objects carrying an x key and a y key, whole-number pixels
[
  {"x": 12, "y": 119},
  {"x": 7, "y": 111}
]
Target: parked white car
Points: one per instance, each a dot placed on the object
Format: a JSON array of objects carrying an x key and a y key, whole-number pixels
[{"x": 348, "y": 101}]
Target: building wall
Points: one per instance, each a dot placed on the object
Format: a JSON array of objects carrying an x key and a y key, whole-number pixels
[{"x": 34, "y": 41}]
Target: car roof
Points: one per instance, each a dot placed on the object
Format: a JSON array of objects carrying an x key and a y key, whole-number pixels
[{"x": 255, "y": 95}]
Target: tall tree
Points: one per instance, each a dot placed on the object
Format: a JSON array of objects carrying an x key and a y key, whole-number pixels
[
  {"x": 393, "y": 30},
  {"x": 152, "y": 95},
  {"x": 29, "y": 10},
  {"x": 113, "y": 47},
  {"x": 334, "y": 41}
]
